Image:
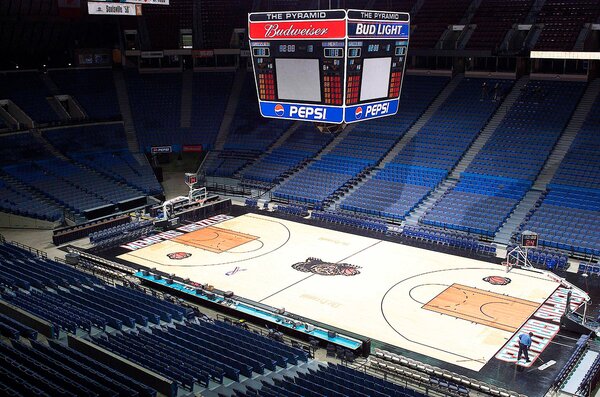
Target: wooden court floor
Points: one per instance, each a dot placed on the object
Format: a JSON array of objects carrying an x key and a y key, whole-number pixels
[
  {"x": 482, "y": 307},
  {"x": 458, "y": 310},
  {"x": 214, "y": 239}
]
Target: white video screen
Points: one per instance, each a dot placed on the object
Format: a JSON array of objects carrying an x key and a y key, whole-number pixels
[
  {"x": 298, "y": 79},
  {"x": 375, "y": 78}
]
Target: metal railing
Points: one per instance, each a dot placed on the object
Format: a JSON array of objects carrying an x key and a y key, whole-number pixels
[{"x": 35, "y": 251}]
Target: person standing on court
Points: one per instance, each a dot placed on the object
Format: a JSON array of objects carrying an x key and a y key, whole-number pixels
[{"x": 524, "y": 345}]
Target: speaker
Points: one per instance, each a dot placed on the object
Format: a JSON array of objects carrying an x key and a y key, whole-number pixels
[
  {"x": 228, "y": 294},
  {"x": 309, "y": 327},
  {"x": 169, "y": 281},
  {"x": 145, "y": 273},
  {"x": 331, "y": 334}
]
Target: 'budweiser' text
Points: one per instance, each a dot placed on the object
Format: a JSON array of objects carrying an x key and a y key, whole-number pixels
[{"x": 273, "y": 30}]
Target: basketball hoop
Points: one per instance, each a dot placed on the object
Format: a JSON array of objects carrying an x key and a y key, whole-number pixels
[
  {"x": 507, "y": 265},
  {"x": 518, "y": 257}
]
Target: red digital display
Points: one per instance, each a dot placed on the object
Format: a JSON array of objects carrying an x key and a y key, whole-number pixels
[
  {"x": 266, "y": 86},
  {"x": 352, "y": 89},
  {"x": 333, "y": 90},
  {"x": 395, "y": 82}
]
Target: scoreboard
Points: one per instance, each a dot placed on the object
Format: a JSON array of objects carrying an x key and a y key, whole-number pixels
[{"x": 328, "y": 66}]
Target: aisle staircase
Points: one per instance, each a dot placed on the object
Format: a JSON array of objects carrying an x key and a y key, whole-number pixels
[{"x": 125, "y": 108}]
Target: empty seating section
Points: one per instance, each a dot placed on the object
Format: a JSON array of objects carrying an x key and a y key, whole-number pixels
[
  {"x": 219, "y": 18},
  {"x": 427, "y": 158},
  {"x": 563, "y": 20},
  {"x": 433, "y": 18},
  {"x": 478, "y": 204},
  {"x": 494, "y": 18},
  {"x": 567, "y": 218},
  {"x": 567, "y": 215},
  {"x": 82, "y": 301},
  {"x": 104, "y": 148},
  {"x": 250, "y": 135},
  {"x": 320, "y": 179},
  {"x": 507, "y": 165},
  {"x": 302, "y": 144},
  {"x": 332, "y": 380},
  {"x": 15, "y": 199},
  {"x": 106, "y": 380},
  {"x": 71, "y": 197},
  {"x": 350, "y": 156},
  {"x": 249, "y": 130},
  {"x": 380, "y": 141},
  {"x": 205, "y": 351},
  {"x": 394, "y": 191},
  {"x": 29, "y": 93},
  {"x": 443, "y": 140},
  {"x": 52, "y": 368},
  {"x": 20, "y": 148},
  {"x": 93, "y": 89},
  {"x": 579, "y": 168},
  {"x": 89, "y": 138},
  {"x": 156, "y": 108},
  {"x": 94, "y": 183},
  {"x": 32, "y": 372},
  {"x": 209, "y": 99},
  {"x": 71, "y": 186},
  {"x": 187, "y": 352},
  {"x": 522, "y": 142},
  {"x": 123, "y": 167},
  {"x": 225, "y": 163},
  {"x": 417, "y": 94},
  {"x": 11, "y": 328}
]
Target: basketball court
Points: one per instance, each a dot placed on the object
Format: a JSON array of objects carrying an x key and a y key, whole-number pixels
[{"x": 459, "y": 310}]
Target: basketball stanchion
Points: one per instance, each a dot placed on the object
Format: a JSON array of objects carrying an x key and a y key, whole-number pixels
[{"x": 508, "y": 266}]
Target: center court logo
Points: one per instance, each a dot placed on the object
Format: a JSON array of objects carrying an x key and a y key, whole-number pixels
[
  {"x": 279, "y": 109},
  {"x": 358, "y": 112},
  {"x": 322, "y": 268}
]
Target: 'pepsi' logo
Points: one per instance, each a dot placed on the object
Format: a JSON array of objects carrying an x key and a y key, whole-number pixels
[
  {"x": 279, "y": 109},
  {"x": 358, "y": 112}
]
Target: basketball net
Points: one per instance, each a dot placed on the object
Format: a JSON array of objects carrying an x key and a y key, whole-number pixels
[{"x": 507, "y": 265}]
